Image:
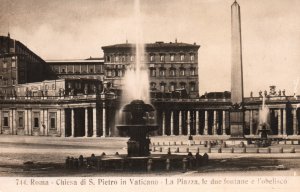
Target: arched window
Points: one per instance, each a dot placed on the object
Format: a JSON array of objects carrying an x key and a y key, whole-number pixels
[
  {"x": 153, "y": 72},
  {"x": 172, "y": 86},
  {"x": 172, "y": 71},
  {"x": 192, "y": 86},
  {"x": 182, "y": 71},
  {"x": 192, "y": 57},
  {"x": 162, "y": 72},
  {"x": 151, "y": 58},
  {"x": 162, "y": 86},
  {"x": 131, "y": 58},
  {"x": 182, "y": 85},
  {"x": 182, "y": 56},
  {"x": 192, "y": 71},
  {"x": 152, "y": 86},
  {"x": 172, "y": 57}
]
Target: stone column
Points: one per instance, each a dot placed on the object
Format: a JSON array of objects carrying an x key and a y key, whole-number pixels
[
  {"x": 42, "y": 122},
  {"x": 26, "y": 122},
  {"x": 58, "y": 122},
  {"x": 224, "y": 122},
  {"x": 62, "y": 123},
  {"x": 188, "y": 122},
  {"x": 284, "y": 122},
  {"x": 215, "y": 123},
  {"x": 29, "y": 121},
  {"x": 205, "y": 123},
  {"x": 295, "y": 122},
  {"x": 11, "y": 121},
  {"x": 279, "y": 121},
  {"x": 46, "y": 122},
  {"x": 14, "y": 126},
  {"x": 86, "y": 123},
  {"x": 180, "y": 122},
  {"x": 197, "y": 123},
  {"x": 251, "y": 121},
  {"x": 163, "y": 123},
  {"x": 104, "y": 121},
  {"x": 172, "y": 123},
  {"x": 1, "y": 119},
  {"x": 94, "y": 122},
  {"x": 72, "y": 123}
]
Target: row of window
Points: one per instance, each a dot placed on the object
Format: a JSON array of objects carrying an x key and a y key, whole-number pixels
[
  {"x": 152, "y": 58},
  {"x": 153, "y": 72},
  {"x": 172, "y": 86},
  {"x": 172, "y": 72},
  {"x": 5, "y": 65},
  {"x": 63, "y": 71},
  {"x": 4, "y": 81},
  {"x": 36, "y": 123}
]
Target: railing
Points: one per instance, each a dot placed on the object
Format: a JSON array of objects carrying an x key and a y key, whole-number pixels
[
  {"x": 113, "y": 96},
  {"x": 273, "y": 98},
  {"x": 189, "y": 100},
  {"x": 66, "y": 97}
]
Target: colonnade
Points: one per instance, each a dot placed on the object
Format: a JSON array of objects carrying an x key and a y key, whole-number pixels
[
  {"x": 208, "y": 122},
  {"x": 96, "y": 120},
  {"x": 91, "y": 121},
  {"x": 32, "y": 121},
  {"x": 77, "y": 121},
  {"x": 188, "y": 122}
]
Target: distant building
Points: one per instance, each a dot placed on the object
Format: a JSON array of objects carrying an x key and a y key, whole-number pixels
[
  {"x": 91, "y": 68},
  {"x": 171, "y": 65},
  {"x": 58, "y": 88},
  {"x": 18, "y": 65},
  {"x": 65, "y": 107}
]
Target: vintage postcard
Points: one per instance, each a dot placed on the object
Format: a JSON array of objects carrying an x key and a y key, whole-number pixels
[{"x": 148, "y": 95}]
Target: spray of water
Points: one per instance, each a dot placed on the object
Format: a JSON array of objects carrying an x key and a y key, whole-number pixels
[
  {"x": 136, "y": 80},
  {"x": 264, "y": 112},
  {"x": 296, "y": 83}
]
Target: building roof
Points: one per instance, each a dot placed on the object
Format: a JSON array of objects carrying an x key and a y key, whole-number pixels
[
  {"x": 88, "y": 60},
  {"x": 158, "y": 44}
]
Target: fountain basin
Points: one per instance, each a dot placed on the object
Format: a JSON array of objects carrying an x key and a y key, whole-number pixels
[{"x": 138, "y": 119}]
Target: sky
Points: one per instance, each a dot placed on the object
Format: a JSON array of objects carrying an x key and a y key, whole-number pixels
[{"x": 77, "y": 29}]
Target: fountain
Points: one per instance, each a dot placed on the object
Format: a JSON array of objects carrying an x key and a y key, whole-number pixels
[
  {"x": 263, "y": 114},
  {"x": 137, "y": 118},
  {"x": 137, "y": 121},
  {"x": 264, "y": 128}
]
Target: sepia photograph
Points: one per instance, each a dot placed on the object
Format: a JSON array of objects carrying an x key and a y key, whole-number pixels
[{"x": 147, "y": 95}]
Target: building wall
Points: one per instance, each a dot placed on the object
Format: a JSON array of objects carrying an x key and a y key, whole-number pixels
[
  {"x": 19, "y": 65},
  {"x": 58, "y": 88},
  {"x": 91, "y": 68},
  {"x": 171, "y": 65}
]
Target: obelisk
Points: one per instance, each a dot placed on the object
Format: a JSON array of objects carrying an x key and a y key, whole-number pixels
[
  {"x": 237, "y": 110},
  {"x": 236, "y": 55}
]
